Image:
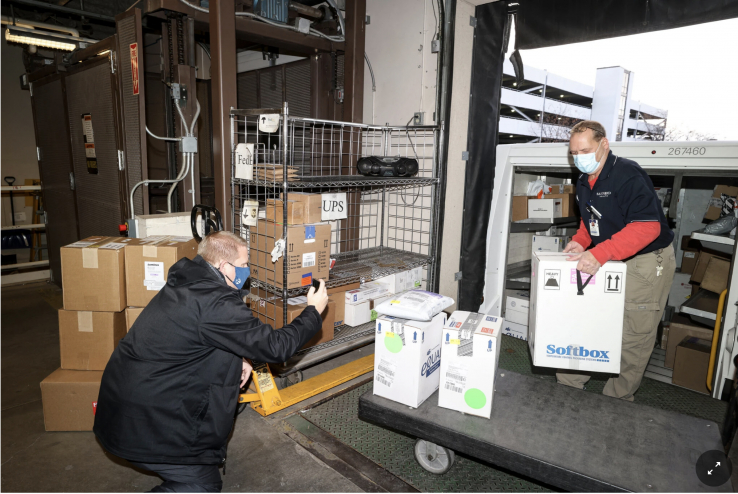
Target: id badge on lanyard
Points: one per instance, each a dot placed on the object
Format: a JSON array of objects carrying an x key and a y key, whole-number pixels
[{"x": 594, "y": 228}]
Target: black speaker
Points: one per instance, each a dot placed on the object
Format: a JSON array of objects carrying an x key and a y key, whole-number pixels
[{"x": 387, "y": 166}]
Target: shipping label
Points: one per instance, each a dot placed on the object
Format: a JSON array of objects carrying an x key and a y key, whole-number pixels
[
  {"x": 456, "y": 378},
  {"x": 154, "y": 276},
  {"x": 385, "y": 372}
]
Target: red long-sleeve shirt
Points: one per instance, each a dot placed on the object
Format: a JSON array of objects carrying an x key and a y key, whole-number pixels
[{"x": 624, "y": 244}]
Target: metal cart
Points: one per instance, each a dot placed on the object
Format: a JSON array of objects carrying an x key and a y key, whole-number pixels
[{"x": 389, "y": 225}]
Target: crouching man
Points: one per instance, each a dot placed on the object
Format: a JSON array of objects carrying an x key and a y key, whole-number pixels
[{"x": 168, "y": 396}]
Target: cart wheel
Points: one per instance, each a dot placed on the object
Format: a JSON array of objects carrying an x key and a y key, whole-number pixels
[
  {"x": 434, "y": 458},
  {"x": 241, "y": 408},
  {"x": 289, "y": 380}
]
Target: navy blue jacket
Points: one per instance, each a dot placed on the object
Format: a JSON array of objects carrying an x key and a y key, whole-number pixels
[
  {"x": 170, "y": 390},
  {"x": 623, "y": 194}
]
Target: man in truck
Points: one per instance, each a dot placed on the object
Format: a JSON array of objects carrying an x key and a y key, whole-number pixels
[
  {"x": 622, "y": 220},
  {"x": 168, "y": 395}
]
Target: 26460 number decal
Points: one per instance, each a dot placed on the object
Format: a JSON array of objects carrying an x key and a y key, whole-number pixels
[{"x": 688, "y": 151}]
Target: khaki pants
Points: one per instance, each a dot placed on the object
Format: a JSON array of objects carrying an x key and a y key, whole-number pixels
[{"x": 645, "y": 299}]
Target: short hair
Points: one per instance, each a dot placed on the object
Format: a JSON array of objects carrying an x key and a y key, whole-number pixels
[
  {"x": 596, "y": 127},
  {"x": 220, "y": 246}
]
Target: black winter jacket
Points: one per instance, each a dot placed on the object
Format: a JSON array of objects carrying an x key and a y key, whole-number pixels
[{"x": 170, "y": 390}]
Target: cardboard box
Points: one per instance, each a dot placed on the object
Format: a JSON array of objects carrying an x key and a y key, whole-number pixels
[
  {"x": 275, "y": 212},
  {"x": 313, "y": 204},
  {"x": 545, "y": 208},
  {"x": 517, "y": 300},
  {"x": 148, "y": 262},
  {"x": 367, "y": 292},
  {"x": 691, "y": 364},
  {"x": 542, "y": 243},
  {"x": 716, "y": 275},
  {"x": 520, "y": 207},
  {"x": 568, "y": 205},
  {"x": 407, "y": 359},
  {"x": 357, "y": 314},
  {"x": 563, "y": 189},
  {"x": 517, "y": 316},
  {"x": 93, "y": 274},
  {"x": 379, "y": 300},
  {"x": 469, "y": 357},
  {"x": 680, "y": 290},
  {"x": 339, "y": 301},
  {"x": 87, "y": 339},
  {"x": 132, "y": 314},
  {"x": 272, "y": 313},
  {"x": 564, "y": 330},
  {"x": 716, "y": 203},
  {"x": 403, "y": 281},
  {"x": 308, "y": 254},
  {"x": 69, "y": 399},
  {"x": 519, "y": 331},
  {"x": 689, "y": 261},
  {"x": 701, "y": 266},
  {"x": 679, "y": 328}
]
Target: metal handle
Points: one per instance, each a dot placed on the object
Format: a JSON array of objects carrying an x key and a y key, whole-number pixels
[{"x": 10, "y": 180}]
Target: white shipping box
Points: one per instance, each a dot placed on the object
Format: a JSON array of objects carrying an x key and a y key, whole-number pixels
[
  {"x": 517, "y": 300},
  {"x": 681, "y": 289},
  {"x": 545, "y": 208},
  {"x": 367, "y": 292},
  {"x": 407, "y": 359},
  {"x": 403, "y": 281},
  {"x": 357, "y": 314},
  {"x": 544, "y": 243},
  {"x": 519, "y": 331},
  {"x": 469, "y": 357},
  {"x": 571, "y": 331},
  {"x": 516, "y": 316}
]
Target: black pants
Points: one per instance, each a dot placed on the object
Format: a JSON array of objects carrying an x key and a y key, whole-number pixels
[{"x": 184, "y": 478}]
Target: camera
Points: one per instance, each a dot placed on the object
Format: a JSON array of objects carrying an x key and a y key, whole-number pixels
[{"x": 387, "y": 166}]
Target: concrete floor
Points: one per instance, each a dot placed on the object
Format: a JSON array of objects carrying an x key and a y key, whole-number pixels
[{"x": 264, "y": 455}]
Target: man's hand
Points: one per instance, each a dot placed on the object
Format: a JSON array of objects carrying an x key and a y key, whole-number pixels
[
  {"x": 587, "y": 262},
  {"x": 318, "y": 299},
  {"x": 246, "y": 372},
  {"x": 574, "y": 247}
]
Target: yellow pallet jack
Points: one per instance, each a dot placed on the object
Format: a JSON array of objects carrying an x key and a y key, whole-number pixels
[{"x": 266, "y": 399}]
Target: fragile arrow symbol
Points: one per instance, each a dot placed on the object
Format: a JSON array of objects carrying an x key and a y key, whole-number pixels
[
  {"x": 609, "y": 279},
  {"x": 617, "y": 280}
]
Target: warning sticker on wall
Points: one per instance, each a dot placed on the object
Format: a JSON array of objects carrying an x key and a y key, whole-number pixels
[
  {"x": 134, "y": 67},
  {"x": 89, "y": 139}
]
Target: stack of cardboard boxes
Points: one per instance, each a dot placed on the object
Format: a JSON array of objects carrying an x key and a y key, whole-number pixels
[
  {"x": 98, "y": 280},
  {"x": 560, "y": 203}
]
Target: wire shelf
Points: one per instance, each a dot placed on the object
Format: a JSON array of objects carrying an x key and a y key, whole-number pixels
[
  {"x": 388, "y": 183},
  {"x": 359, "y": 267}
]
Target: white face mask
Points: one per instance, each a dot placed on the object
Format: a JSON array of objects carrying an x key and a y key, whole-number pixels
[{"x": 587, "y": 163}]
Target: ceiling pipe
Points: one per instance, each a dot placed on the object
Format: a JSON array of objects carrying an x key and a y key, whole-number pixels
[
  {"x": 42, "y": 25},
  {"x": 67, "y": 10}
]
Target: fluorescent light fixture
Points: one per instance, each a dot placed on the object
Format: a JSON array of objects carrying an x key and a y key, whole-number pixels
[
  {"x": 562, "y": 95},
  {"x": 45, "y": 39},
  {"x": 510, "y": 135}
]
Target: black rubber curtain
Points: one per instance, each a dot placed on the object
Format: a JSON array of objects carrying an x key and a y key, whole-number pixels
[
  {"x": 484, "y": 118},
  {"x": 544, "y": 23}
]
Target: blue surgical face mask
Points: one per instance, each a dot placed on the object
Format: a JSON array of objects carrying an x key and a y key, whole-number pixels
[
  {"x": 241, "y": 275},
  {"x": 587, "y": 163}
]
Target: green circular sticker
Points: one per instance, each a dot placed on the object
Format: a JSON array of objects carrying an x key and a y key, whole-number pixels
[
  {"x": 475, "y": 398},
  {"x": 393, "y": 343}
]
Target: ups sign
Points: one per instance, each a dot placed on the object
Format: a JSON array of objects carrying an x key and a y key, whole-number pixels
[{"x": 334, "y": 207}]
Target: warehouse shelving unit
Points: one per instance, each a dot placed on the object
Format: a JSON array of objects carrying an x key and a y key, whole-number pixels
[{"x": 390, "y": 224}]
